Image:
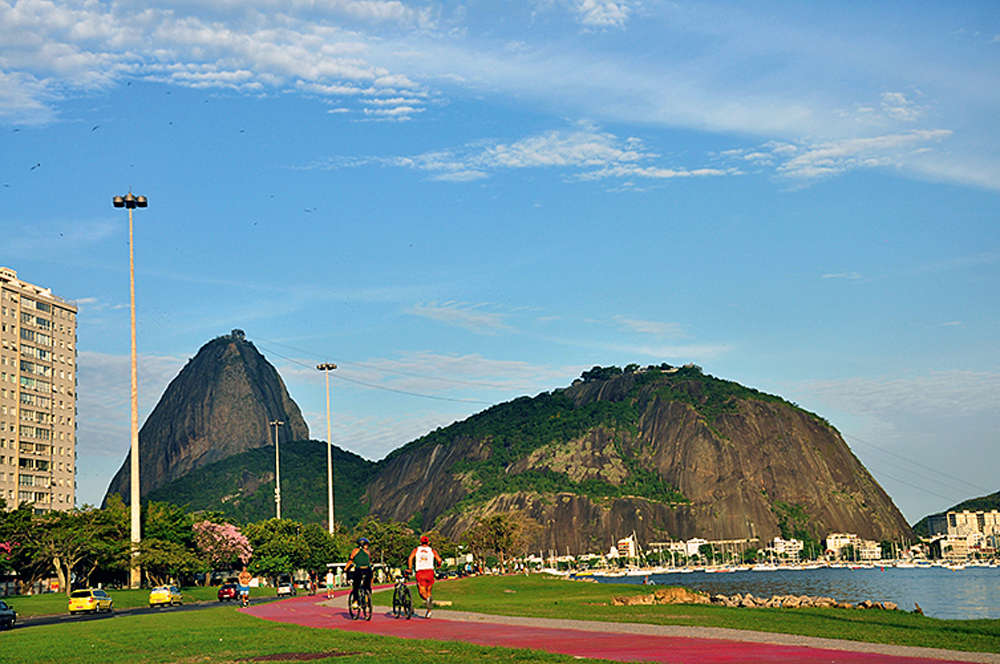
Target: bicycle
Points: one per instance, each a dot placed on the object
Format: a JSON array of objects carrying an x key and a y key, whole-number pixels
[
  {"x": 402, "y": 600},
  {"x": 360, "y": 607}
]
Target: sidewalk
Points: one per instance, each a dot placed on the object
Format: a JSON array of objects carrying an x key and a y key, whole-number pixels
[{"x": 626, "y": 642}]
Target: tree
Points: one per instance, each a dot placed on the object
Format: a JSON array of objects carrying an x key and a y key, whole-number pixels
[
  {"x": 16, "y": 527},
  {"x": 323, "y": 547},
  {"x": 64, "y": 539},
  {"x": 221, "y": 545},
  {"x": 162, "y": 560},
  {"x": 391, "y": 541},
  {"x": 110, "y": 555},
  {"x": 278, "y": 546},
  {"x": 168, "y": 523},
  {"x": 507, "y": 535}
]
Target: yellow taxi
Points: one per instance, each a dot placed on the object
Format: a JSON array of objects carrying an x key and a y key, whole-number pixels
[
  {"x": 165, "y": 596},
  {"x": 90, "y": 600}
]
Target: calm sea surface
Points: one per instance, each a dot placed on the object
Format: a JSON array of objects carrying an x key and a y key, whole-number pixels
[{"x": 965, "y": 594}]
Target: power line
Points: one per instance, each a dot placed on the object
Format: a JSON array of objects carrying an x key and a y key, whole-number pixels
[
  {"x": 917, "y": 463},
  {"x": 373, "y": 386},
  {"x": 914, "y": 486},
  {"x": 385, "y": 370}
]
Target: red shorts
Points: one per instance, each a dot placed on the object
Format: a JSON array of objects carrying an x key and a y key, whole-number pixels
[{"x": 425, "y": 578}]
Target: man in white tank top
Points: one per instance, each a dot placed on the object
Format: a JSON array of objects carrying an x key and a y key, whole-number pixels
[{"x": 422, "y": 559}]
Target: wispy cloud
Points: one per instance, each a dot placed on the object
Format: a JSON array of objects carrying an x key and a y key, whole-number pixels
[
  {"x": 655, "y": 328},
  {"x": 602, "y": 13},
  {"x": 947, "y": 393},
  {"x": 584, "y": 153},
  {"x": 946, "y": 417},
  {"x": 431, "y": 373},
  {"x": 842, "y": 275},
  {"x": 804, "y": 162},
  {"x": 388, "y": 60},
  {"x": 472, "y": 317},
  {"x": 321, "y": 48}
]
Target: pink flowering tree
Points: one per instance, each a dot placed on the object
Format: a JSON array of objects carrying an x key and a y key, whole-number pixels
[
  {"x": 222, "y": 545},
  {"x": 6, "y": 549}
]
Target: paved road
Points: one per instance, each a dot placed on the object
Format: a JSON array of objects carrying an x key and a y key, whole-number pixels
[
  {"x": 137, "y": 611},
  {"x": 614, "y": 641}
]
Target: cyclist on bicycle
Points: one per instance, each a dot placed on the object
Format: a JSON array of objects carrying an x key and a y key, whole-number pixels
[
  {"x": 425, "y": 558},
  {"x": 361, "y": 560}
]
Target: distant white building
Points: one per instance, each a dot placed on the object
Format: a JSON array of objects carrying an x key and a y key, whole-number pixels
[
  {"x": 789, "y": 548},
  {"x": 627, "y": 548},
  {"x": 863, "y": 549},
  {"x": 966, "y": 522},
  {"x": 692, "y": 546}
]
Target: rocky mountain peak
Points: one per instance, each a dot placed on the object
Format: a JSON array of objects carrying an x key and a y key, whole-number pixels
[{"x": 219, "y": 405}]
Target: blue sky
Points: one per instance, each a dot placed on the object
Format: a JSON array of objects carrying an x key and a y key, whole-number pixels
[{"x": 462, "y": 203}]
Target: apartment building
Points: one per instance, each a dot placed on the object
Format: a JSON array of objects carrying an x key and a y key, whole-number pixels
[
  {"x": 971, "y": 533},
  {"x": 37, "y": 396},
  {"x": 967, "y": 522},
  {"x": 837, "y": 543}
]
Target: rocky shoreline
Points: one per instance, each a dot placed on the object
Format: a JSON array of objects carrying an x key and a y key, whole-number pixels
[{"x": 685, "y": 596}]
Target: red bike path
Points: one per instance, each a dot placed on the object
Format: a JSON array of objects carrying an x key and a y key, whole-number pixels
[{"x": 611, "y": 641}]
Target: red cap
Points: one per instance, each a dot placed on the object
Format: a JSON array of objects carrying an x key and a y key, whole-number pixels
[{"x": 424, "y": 539}]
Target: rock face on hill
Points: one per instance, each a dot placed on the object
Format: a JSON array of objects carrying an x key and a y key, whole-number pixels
[
  {"x": 667, "y": 453},
  {"x": 217, "y": 406}
]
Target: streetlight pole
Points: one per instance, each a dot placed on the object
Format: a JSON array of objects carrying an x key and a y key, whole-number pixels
[
  {"x": 326, "y": 367},
  {"x": 135, "y": 577},
  {"x": 277, "y": 467}
]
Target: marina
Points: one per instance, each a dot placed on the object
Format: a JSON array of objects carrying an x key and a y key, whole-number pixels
[{"x": 962, "y": 592}]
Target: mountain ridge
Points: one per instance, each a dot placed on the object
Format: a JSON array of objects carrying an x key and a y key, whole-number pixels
[
  {"x": 219, "y": 404},
  {"x": 670, "y": 453}
]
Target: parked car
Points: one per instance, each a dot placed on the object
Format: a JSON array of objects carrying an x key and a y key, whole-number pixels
[
  {"x": 168, "y": 595},
  {"x": 228, "y": 592},
  {"x": 7, "y": 615},
  {"x": 90, "y": 600},
  {"x": 286, "y": 586}
]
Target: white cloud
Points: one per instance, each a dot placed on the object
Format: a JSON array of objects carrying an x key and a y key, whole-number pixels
[
  {"x": 461, "y": 314},
  {"x": 80, "y": 44},
  {"x": 583, "y": 153},
  {"x": 430, "y": 373},
  {"x": 602, "y": 13},
  {"x": 711, "y": 76},
  {"x": 805, "y": 162},
  {"x": 104, "y": 407},
  {"x": 919, "y": 432},
  {"x": 655, "y": 328}
]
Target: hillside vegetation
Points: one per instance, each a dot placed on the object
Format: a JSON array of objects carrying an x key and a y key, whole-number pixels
[
  {"x": 664, "y": 452},
  {"x": 242, "y": 486},
  {"x": 516, "y": 429}
]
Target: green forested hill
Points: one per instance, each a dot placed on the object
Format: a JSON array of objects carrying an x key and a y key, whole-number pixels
[{"x": 242, "y": 486}]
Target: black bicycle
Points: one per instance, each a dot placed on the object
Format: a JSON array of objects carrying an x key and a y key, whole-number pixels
[
  {"x": 360, "y": 607},
  {"x": 402, "y": 600}
]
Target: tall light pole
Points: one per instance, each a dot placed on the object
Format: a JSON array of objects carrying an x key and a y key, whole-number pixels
[
  {"x": 277, "y": 467},
  {"x": 326, "y": 367},
  {"x": 135, "y": 578}
]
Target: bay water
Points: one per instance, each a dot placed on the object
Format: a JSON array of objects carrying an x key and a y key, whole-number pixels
[{"x": 965, "y": 594}]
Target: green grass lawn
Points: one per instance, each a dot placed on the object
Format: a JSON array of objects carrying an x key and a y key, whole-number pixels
[
  {"x": 221, "y": 634},
  {"x": 550, "y": 597}
]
